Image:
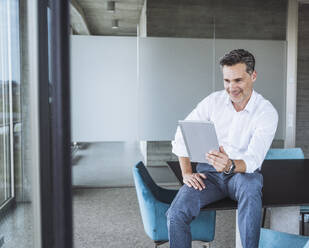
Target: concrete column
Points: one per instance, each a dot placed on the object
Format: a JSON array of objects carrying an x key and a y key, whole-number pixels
[
  {"x": 291, "y": 35},
  {"x": 285, "y": 219},
  {"x": 237, "y": 238},
  {"x": 32, "y": 27},
  {"x": 142, "y": 32},
  {"x": 282, "y": 219}
]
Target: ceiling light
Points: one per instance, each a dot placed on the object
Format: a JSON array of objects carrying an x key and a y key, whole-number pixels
[
  {"x": 111, "y": 6},
  {"x": 115, "y": 24}
]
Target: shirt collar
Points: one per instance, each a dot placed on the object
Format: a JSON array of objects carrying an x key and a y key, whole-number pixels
[{"x": 250, "y": 105}]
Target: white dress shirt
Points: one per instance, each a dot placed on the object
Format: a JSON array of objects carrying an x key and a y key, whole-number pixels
[{"x": 245, "y": 135}]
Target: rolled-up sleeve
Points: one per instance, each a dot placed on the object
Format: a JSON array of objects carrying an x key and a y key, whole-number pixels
[
  {"x": 261, "y": 140},
  {"x": 178, "y": 145},
  {"x": 201, "y": 112}
]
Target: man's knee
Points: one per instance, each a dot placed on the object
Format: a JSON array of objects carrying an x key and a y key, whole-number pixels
[
  {"x": 249, "y": 186},
  {"x": 185, "y": 207},
  {"x": 176, "y": 215}
]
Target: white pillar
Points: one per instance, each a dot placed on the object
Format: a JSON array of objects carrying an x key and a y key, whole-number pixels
[
  {"x": 237, "y": 239},
  {"x": 142, "y": 32},
  {"x": 285, "y": 219},
  {"x": 33, "y": 44},
  {"x": 291, "y": 36}
]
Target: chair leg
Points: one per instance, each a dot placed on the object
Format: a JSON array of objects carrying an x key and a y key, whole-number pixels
[
  {"x": 302, "y": 223},
  {"x": 264, "y": 217},
  {"x": 157, "y": 243}
]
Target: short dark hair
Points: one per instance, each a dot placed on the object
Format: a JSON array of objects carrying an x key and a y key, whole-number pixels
[{"x": 239, "y": 56}]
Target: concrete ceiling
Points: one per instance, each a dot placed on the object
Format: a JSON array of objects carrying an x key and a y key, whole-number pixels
[
  {"x": 222, "y": 19},
  {"x": 259, "y": 19},
  {"x": 91, "y": 17}
]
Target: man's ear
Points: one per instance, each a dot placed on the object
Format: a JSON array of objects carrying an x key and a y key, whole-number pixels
[{"x": 253, "y": 76}]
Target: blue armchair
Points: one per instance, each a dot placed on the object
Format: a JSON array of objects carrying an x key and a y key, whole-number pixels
[
  {"x": 288, "y": 153},
  {"x": 275, "y": 239},
  {"x": 154, "y": 201}
]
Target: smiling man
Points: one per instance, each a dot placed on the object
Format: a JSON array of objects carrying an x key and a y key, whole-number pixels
[{"x": 245, "y": 123}]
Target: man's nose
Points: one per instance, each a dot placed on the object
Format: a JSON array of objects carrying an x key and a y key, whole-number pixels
[{"x": 232, "y": 86}]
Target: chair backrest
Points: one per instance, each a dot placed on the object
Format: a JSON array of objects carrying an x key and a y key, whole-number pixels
[
  {"x": 141, "y": 172},
  {"x": 153, "y": 209},
  {"x": 307, "y": 245},
  {"x": 146, "y": 200},
  {"x": 286, "y": 153},
  {"x": 270, "y": 238}
]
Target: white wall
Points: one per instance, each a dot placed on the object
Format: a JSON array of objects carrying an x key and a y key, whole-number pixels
[
  {"x": 175, "y": 74},
  {"x": 111, "y": 103},
  {"x": 103, "y": 88}
]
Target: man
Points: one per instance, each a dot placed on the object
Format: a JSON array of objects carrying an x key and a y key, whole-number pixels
[{"x": 245, "y": 123}]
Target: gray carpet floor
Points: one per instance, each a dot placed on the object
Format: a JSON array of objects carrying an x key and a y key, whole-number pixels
[
  {"x": 109, "y": 218},
  {"x": 104, "y": 218}
]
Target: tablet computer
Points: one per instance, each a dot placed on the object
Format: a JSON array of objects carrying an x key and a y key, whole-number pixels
[{"x": 200, "y": 137}]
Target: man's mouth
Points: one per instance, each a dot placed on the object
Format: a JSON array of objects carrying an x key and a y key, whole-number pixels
[{"x": 235, "y": 94}]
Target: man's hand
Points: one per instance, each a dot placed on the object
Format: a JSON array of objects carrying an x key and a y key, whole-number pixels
[
  {"x": 194, "y": 180},
  {"x": 219, "y": 160}
]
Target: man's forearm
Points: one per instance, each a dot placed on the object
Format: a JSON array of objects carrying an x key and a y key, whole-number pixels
[
  {"x": 185, "y": 165},
  {"x": 186, "y": 168},
  {"x": 240, "y": 166},
  {"x": 191, "y": 179},
  {"x": 221, "y": 161}
]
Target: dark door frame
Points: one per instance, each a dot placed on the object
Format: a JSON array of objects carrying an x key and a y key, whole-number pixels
[{"x": 54, "y": 124}]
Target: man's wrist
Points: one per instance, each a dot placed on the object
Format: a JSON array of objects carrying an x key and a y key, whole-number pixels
[
  {"x": 187, "y": 174},
  {"x": 231, "y": 167},
  {"x": 228, "y": 166}
]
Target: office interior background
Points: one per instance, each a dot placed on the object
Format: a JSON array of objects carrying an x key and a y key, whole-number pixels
[{"x": 136, "y": 68}]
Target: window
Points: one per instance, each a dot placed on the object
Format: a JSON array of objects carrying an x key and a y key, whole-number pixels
[{"x": 10, "y": 121}]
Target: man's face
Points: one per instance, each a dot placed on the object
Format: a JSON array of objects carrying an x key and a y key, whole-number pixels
[{"x": 238, "y": 83}]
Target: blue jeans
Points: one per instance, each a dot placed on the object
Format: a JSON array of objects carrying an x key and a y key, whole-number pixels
[{"x": 245, "y": 188}]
